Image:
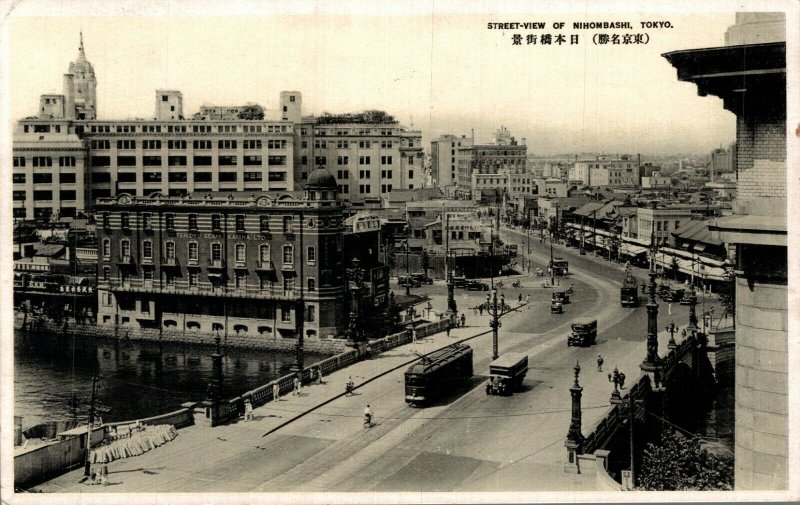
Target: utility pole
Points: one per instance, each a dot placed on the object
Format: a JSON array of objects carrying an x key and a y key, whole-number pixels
[{"x": 87, "y": 464}]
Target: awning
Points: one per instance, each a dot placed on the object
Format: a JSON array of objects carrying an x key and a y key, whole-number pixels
[{"x": 632, "y": 250}]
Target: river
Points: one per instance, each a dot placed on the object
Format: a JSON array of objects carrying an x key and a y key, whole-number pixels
[{"x": 138, "y": 379}]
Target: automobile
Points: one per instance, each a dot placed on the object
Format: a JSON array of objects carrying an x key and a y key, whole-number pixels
[
  {"x": 674, "y": 295},
  {"x": 556, "y": 307},
  {"x": 422, "y": 278},
  {"x": 560, "y": 296},
  {"x": 460, "y": 282},
  {"x": 477, "y": 286},
  {"x": 407, "y": 280},
  {"x": 584, "y": 333},
  {"x": 506, "y": 374}
]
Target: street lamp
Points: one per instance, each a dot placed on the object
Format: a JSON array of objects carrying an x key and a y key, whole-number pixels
[
  {"x": 618, "y": 379},
  {"x": 671, "y": 329},
  {"x": 408, "y": 276},
  {"x": 496, "y": 313}
]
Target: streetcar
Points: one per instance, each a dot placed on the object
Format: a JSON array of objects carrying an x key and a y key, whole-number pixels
[{"x": 436, "y": 373}]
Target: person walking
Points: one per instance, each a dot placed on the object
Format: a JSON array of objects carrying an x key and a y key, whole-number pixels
[
  {"x": 297, "y": 386},
  {"x": 447, "y": 329},
  {"x": 319, "y": 375},
  {"x": 248, "y": 410},
  {"x": 519, "y": 298},
  {"x": 480, "y": 309},
  {"x": 276, "y": 392},
  {"x": 368, "y": 416},
  {"x": 463, "y": 320},
  {"x": 599, "y": 363},
  {"x": 104, "y": 474}
]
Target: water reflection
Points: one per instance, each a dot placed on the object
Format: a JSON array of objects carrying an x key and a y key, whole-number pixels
[{"x": 139, "y": 379}]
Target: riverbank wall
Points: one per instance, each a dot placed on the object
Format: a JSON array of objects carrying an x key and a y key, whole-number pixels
[{"x": 242, "y": 340}]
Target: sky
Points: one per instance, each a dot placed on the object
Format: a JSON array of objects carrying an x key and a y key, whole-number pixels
[{"x": 433, "y": 65}]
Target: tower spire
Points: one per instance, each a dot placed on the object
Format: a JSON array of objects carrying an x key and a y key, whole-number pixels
[{"x": 80, "y": 48}]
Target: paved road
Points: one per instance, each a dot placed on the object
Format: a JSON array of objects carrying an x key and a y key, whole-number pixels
[{"x": 466, "y": 442}]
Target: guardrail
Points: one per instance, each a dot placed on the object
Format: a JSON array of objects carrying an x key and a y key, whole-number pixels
[{"x": 609, "y": 424}]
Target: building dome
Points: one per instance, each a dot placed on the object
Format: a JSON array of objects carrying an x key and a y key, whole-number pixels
[{"x": 321, "y": 178}]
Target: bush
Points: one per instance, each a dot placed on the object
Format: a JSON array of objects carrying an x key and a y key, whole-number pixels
[{"x": 679, "y": 463}]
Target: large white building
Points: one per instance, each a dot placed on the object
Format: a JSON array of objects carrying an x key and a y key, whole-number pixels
[
  {"x": 444, "y": 166},
  {"x": 606, "y": 171}
]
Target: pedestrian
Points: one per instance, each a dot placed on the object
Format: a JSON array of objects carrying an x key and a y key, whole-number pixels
[
  {"x": 276, "y": 392},
  {"x": 319, "y": 375},
  {"x": 447, "y": 329},
  {"x": 474, "y": 311},
  {"x": 480, "y": 309},
  {"x": 528, "y": 301},
  {"x": 248, "y": 410},
  {"x": 599, "y": 363},
  {"x": 104, "y": 474},
  {"x": 463, "y": 320},
  {"x": 296, "y": 382},
  {"x": 519, "y": 298},
  {"x": 669, "y": 308}
]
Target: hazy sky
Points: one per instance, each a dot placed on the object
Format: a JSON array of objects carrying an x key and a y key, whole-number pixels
[{"x": 444, "y": 70}]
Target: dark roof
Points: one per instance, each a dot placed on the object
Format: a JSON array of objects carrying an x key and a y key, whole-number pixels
[
  {"x": 697, "y": 231},
  {"x": 321, "y": 178}
]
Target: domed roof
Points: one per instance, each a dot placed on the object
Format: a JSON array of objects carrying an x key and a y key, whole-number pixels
[{"x": 321, "y": 178}]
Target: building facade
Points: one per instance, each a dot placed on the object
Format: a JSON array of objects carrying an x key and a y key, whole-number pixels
[
  {"x": 262, "y": 264},
  {"x": 49, "y": 175},
  {"x": 606, "y": 171},
  {"x": 366, "y": 159},
  {"x": 756, "y": 234},
  {"x": 489, "y": 159},
  {"x": 444, "y": 168}
]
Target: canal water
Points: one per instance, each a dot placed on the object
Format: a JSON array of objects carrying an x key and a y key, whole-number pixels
[{"x": 138, "y": 379}]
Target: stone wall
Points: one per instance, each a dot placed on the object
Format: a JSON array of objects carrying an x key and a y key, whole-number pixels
[
  {"x": 762, "y": 384},
  {"x": 240, "y": 339}
]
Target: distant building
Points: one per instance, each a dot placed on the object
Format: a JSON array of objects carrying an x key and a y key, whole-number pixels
[
  {"x": 443, "y": 158},
  {"x": 606, "y": 171},
  {"x": 50, "y": 178},
  {"x": 656, "y": 181},
  {"x": 490, "y": 159}
]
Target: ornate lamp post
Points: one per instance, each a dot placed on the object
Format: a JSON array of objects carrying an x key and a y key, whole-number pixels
[
  {"x": 574, "y": 441},
  {"x": 618, "y": 379},
  {"x": 496, "y": 311},
  {"x": 671, "y": 329},
  {"x": 214, "y": 391},
  {"x": 652, "y": 363}
]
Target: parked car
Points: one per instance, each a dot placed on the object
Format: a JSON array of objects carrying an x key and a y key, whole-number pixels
[
  {"x": 407, "y": 280},
  {"x": 477, "y": 286},
  {"x": 422, "y": 278},
  {"x": 460, "y": 282}
]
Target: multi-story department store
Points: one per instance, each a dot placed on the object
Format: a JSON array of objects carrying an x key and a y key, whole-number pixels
[{"x": 65, "y": 157}]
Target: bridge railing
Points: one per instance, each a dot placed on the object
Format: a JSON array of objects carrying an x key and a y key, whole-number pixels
[
  {"x": 232, "y": 408},
  {"x": 609, "y": 424}
]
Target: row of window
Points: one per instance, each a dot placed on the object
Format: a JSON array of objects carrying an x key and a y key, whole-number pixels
[
  {"x": 193, "y": 256},
  {"x": 216, "y": 221},
  {"x": 45, "y": 195},
  {"x": 45, "y": 161},
  {"x": 45, "y": 178},
  {"x": 172, "y": 161},
  {"x": 184, "y": 129},
  {"x": 101, "y": 177}
]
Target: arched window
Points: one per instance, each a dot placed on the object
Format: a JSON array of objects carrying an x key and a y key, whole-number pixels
[
  {"x": 169, "y": 249},
  {"x": 106, "y": 247}
]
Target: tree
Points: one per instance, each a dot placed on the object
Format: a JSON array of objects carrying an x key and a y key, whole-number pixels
[
  {"x": 252, "y": 113},
  {"x": 425, "y": 261},
  {"x": 673, "y": 268},
  {"x": 678, "y": 463}
]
